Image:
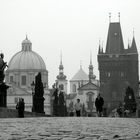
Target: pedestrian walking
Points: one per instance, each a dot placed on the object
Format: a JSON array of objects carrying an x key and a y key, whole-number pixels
[
  {"x": 99, "y": 102},
  {"x": 61, "y": 102},
  {"x": 20, "y": 107},
  {"x": 78, "y": 108}
]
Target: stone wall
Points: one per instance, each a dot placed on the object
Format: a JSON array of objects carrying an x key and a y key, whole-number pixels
[{"x": 12, "y": 113}]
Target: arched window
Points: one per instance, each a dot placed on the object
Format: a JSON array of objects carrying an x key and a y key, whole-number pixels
[{"x": 74, "y": 88}]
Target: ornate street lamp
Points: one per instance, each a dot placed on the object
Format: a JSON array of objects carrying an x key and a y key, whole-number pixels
[{"x": 33, "y": 93}]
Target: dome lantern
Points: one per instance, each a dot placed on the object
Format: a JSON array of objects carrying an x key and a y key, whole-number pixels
[{"x": 26, "y": 45}]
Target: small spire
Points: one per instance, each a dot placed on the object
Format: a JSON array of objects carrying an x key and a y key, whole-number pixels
[
  {"x": 26, "y": 37},
  {"x": 99, "y": 51},
  {"x": 80, "y": 64},
  {"x": 109, "y": 17},
  {"x": 128, "y": 43},
  {"x": 90, "y": 58},
  {"x": 133, "y": 33},
  {"x": 102, "y": 46},
  {"x": 119, "y": 16},
  {"x": 61, "y": 58}
]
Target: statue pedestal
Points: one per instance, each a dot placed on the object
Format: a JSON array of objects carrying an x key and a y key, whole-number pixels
[
  {"x": 3, "y": 95},
  {"x": 38, "y": 105}
]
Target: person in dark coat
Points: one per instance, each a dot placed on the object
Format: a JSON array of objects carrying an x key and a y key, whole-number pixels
[
  {"x": 20, "y": 107},
  {"x": 55, "y": 102},
  {"x": 99, "y": 102},
  {"x": 61, "y": 104}
]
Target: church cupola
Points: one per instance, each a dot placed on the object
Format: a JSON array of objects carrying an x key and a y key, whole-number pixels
[
  {"x": 91, "y": 75},
  {"x": 26, "y": 45}
]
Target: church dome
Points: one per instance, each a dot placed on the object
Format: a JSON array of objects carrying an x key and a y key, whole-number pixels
[
  {"x": 26, "y": 59},
  {"x": 80, "y": 75}
]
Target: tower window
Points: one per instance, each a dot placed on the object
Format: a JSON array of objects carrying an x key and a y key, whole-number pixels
[
  {"x": 23, "y": 80},
  {"x": 74, "y": 88},
  {"x": 122, "y": 74},
  {"x": 109, "y": 74}
]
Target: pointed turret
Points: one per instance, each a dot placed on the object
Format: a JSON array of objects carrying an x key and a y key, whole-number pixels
[
  {"x": 114, "y": 43},
  {"x": 91, "y": 75},
  {"x": 99, "y": 50},
  {"x": 102, "y": 50},
  {"x": 133, "y": 48},
  {"x": 61, "y": 73}
]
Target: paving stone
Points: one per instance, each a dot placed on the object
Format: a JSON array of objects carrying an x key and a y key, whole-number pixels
[{"x": 70, "y": 128}]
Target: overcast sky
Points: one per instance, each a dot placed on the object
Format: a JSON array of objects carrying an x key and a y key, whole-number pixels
[{"x": 71, "y": 26}]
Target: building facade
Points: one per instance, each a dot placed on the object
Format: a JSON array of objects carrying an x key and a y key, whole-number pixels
[
  {"x": 21, "y": 72},
  {"x": 86, "y": 88},
  {"x": 118, "y": 67}
]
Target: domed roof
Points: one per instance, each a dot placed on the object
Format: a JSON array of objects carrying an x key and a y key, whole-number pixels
[
  {"x": 80, "y": 75},
  {"x": 26, "y": 59}
]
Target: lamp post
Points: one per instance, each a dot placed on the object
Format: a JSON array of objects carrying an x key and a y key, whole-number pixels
[{"x": 33, "y": 93}]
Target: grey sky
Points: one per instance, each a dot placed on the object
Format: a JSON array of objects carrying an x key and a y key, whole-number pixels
[{"x": 71, "y": 26}]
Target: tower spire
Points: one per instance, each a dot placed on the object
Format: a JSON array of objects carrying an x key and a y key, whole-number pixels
[
  {"x": 128, "y": 43},
  {"x": 119, "y": 16},
  {"x": 91, "y": 75},
  {"x": 133, "y": 33},
  {"x": 61, "y": 58},
  {"x": 80, "y": 64},
  {"x": 61, "y": 72},
  {"x": 109, "y": 17},
  {"x": 26, "y": 37},
  {"x": 114, "y": 43},
  {"x": 133, "y": 46},
  {"x": 99, "y": 51},
  {"x": 102, "y": 46},
  {"x": 90, "y": 58}
]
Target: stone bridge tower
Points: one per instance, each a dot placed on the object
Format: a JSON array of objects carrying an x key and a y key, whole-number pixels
[{"x": 118, "y": 67}]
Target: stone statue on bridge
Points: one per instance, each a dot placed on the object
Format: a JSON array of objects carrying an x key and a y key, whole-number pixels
[
  {"x": 2, "y": 67},
  {"x": 3, "y": 86}
]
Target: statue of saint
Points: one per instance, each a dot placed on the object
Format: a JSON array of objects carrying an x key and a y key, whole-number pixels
[{"x": 2, "y": 67}]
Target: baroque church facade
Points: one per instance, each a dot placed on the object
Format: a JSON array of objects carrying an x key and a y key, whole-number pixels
[
  {"x": 85, "y": 87},
  {"x": 21, "y": 72},
  {"x": 118, "y": 67}
]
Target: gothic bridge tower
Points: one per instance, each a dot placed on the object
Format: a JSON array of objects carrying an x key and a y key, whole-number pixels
[{"x": 118, "y": 67}]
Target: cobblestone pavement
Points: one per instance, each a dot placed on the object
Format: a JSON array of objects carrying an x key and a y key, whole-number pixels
[{"x": 70, "y": 128}]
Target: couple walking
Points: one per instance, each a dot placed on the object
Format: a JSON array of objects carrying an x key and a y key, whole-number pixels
[{"x": 99, "y": 102}]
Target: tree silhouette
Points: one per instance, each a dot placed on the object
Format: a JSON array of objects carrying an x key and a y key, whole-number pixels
[
  {"x": 38, "y": 97},
  {"x": 39, "y": 89}
]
